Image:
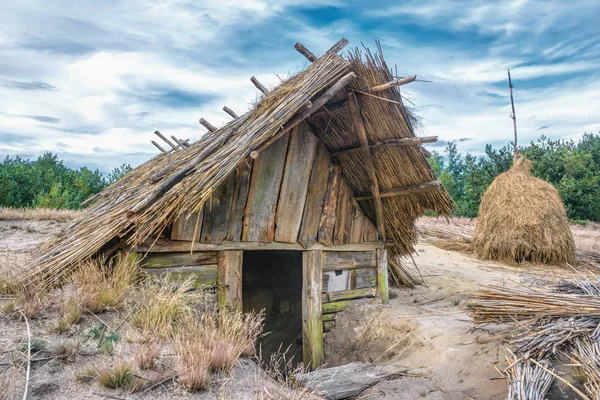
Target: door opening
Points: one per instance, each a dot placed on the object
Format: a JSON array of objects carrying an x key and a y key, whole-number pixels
[{"x": 272, "y": 281}]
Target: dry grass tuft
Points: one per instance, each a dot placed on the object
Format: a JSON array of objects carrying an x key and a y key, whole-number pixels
[
  {"x": 101, "y": 285},
  {"x": 31, "y": 300},
  {"x": 146, "y": 353},
  {"x": 118, "y": 377},
  {"x": 67, "y": 350},
  {"x": 38, "y": 214},
  {"x": 193, "y": 359},
  {"x": 276, "y": 378},
  {"x": 71, "y": 311},
  {"x": 162, "y": 305},
  {"x": 522, "y": 218}
]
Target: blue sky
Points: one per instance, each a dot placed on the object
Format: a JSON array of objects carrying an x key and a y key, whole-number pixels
[{"x": 91, "y": 81}]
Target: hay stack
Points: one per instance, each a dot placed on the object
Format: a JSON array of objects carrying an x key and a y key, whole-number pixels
[{"x": 522, "y": 218}]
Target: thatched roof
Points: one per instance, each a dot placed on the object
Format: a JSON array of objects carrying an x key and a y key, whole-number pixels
[{"x": 142, "y": 204}]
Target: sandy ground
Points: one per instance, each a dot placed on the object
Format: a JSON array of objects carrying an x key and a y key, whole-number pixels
[{"x": 423, "y": 330}]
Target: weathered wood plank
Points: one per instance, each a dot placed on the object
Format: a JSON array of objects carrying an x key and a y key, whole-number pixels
[
  {"x": 341, "y": 230},
  {"x": 421, "y": 187},
  {"x": 317, "y": 189},
  {"x": 201, "y": 275},
  {"x": 329, "y": 317},
  {"x": 229, "y": 279},
  {"x": 348, "y": 295},
  {"x": 312, "y": 322},
  {"x": 168, "y": 246},
  {"x": 183, "y": 228},
  {"x": 346, "y": 381},
  {"x": 259, "y": 215},
  {"x": 382, "y": 274},
  {"x": 327, "y": 222},
  {"x": 335, "y": 306},
  {"x": 328, "y": 325},
  {"x": 340, "y": 260},
  {"x": 162, "y": 260},
  {"x": 368, "y": 162},
  {"x": 217, "y": 211},
  {"x": 356, "y": 225},
  {"x": 365, "y": 278},
  {"x": 369, "y": 231},
  {"x": 240, "y": 196},
  {"x": 292, "y": 197},
  {"x": 410, "y": 141}
]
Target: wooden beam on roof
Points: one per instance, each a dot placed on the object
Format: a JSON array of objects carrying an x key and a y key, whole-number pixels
[
  {"x": 368, "y": 162},
  {"x": 305, "y": 52},
  {"x": 207, "y": 125},
  {"x": 391, "y": 84},
  {"x": 337, "y": 47},
  {"x": 167, "y": 141},
  {"x": 158, "y": 146},
  {"x": 421, "y": 187},
  {"x": 411, "y": 141},
  {"x": 259, "y": 85},
  {"x": 230, "y": 112},
  {"x": 306, "y": 112},
  {"x": 184, "y": 144}
]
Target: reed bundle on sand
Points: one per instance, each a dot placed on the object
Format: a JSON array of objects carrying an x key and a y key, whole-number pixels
[
  {"x": 526, "y": 380},
  {"x": 522, "y": 218},
  {"x": 139, "y": 207}
]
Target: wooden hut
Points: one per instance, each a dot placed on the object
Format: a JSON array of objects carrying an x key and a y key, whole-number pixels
[{"x": 307, "y": 198}]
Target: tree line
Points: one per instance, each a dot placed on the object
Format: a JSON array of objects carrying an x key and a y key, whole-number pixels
[
  {"x": 572, "y": 167},
  {"x": 47, "y": 182}
]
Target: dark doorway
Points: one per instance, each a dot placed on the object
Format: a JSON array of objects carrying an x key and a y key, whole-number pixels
[{"x": 272, "y": 281}]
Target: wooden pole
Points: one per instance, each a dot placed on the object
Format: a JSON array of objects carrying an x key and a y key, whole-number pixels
[
  {"x": 207, "y": 125},
  {"x": 182, "y": 143},
  {"x": 337, "y": 47},
  {"x": 158, "y": 146},
  {"x": 403, "y": 190},
  {"x": 305, "y": 52},
  {"x": 391, "y": 84},
  {"x": 230, "y": 112},
  {"x": 167, "y": 141},
  {"x": 410, "y": 141},
  {"x": 229, "y": 279},
  {"x": 382, "y": 274},
  {"x": 368, "y": 162},
  {"x": 312, "y": 322},
  {"x": 513, "y": 115},
  {"x": 259, "y": 85}
]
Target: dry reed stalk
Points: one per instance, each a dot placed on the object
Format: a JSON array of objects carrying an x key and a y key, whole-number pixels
[
  {"x": 527, "y": 381},
  {"x": 38, "y": 214}
]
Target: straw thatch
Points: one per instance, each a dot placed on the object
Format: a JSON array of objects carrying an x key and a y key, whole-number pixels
[
  {"x": 141, "y": 205},
  {"x": 522, "y": 218}
]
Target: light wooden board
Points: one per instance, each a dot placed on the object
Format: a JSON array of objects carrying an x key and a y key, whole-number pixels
[
  {"x": 312, "y": 321},
  {"x": 327, "y": 221},
  {"x": 340, "y": 260},
  {"x": 229, "y": 279},
  {"x": 292, "y": 197},
  {"x": 341, "y": 232},
  {"x": 201, "y": 275},
  {"x": 217, "y": 211},
  {"x": 317, "y": 188},
  {"x": 161, "y": 260},
  {"x": 259, "y": 214},
  {"x": 240, "y": 196}
]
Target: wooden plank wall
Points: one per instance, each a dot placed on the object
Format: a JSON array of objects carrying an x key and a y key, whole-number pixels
[
  {"x": 291, "y": 193},
  {"x": 347, "y": 276}
]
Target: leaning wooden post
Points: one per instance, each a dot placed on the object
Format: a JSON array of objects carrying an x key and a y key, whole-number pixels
[
  {"x": 229, "y": 279},
  {"x": 382, "y": 274},
  {"x": 312, "y": 323}
]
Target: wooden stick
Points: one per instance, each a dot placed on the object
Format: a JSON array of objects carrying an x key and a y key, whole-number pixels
[
  {"x": 513, "y": 115},
  {"x": 411, "y": 141},
  {"x": 368, "y": 161},
  {"x": 337, "y": 47},
  {"x": 167, "y": 141},
  {"x": 259, "y": 85},
  {"x": 182, "y": 143},
  {"x": 207, "y": 125},
  {"x": 157, "y": 146},
  {"x": 391, "y": 84},
  {"x": 306, "y": 112},
  {"x": 28, "y": 374},
  {"x": 305, "y": 52},
  {"x": 404, "y": 190},
  {"x": 230, "y": 112}
]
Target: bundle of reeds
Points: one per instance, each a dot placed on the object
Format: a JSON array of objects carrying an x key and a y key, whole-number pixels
[
  {"x": 585, "y": 353},
  {"x": 528, "y": 380}
]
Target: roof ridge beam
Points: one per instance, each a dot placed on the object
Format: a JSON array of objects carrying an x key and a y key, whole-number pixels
[
  {"x": 336, "y": 48},
  {"x": 420, "y": 187},
  {"x": 368, "y": 162},
  {"x": 410, "y": 141}
]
